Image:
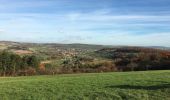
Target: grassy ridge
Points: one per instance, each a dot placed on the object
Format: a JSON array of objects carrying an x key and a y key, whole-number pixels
[{"x": 150, "y": 85}]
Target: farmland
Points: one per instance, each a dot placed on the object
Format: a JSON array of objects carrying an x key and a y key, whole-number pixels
[{"x": 143, "y": 85}]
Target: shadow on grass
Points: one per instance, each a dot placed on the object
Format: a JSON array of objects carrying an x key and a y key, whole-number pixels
[{"x": 152, "y": 87}]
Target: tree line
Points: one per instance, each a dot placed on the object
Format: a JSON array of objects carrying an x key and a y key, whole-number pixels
[
  {"x": 13, "y": 64},
  {"x": 137, "y": 59}
]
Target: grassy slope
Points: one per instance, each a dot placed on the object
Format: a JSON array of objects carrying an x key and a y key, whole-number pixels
[{"x": 151, "y": 85}]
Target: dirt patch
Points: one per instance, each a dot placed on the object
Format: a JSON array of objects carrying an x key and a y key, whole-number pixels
[{"x": 23, "y": 52}]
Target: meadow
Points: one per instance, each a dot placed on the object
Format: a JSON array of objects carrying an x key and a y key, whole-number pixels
[{"x": 143, "y": 85}]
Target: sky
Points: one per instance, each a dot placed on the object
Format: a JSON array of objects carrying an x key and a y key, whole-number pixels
[{"x": 107, "y": 22}]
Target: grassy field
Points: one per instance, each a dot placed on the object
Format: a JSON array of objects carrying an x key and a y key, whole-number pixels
[{"x": 150, "y": 85}]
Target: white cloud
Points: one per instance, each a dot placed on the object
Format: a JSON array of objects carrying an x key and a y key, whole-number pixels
[
  {"x": 75, "y": 27},
  {"x": 2, "y": 31},
  {"x": 105, "y": 15},
  {"x": 154, "y": 39}
]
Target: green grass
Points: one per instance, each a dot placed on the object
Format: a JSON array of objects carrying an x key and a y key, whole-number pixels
[{"x": 150, "y": 85}]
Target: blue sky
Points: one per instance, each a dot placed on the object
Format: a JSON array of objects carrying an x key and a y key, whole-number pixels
[{"x": 110, "y": 22}]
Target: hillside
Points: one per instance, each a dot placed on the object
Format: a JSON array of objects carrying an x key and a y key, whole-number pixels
[
  {"x": 78, "y": 58},
  {"x": 137, "y": 58},
  {"x": 150, "y": 85}
]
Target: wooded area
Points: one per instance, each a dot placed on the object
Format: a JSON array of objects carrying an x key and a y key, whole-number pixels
[
  {"x": 103, "y": 60},
  {"x": 13, "y": 64}
]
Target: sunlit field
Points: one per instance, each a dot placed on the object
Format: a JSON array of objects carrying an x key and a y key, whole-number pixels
[{"x": 149, "y": 85}]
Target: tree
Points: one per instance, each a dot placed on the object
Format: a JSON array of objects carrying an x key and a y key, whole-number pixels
[
  {"x": 15, "y": 62},
  {"x": 33, "y": 61},
  {"x": 5, "y": 62},
  {"x": 30, "y": 61},
  {"x": 24, "y": 63},
  {"x": 132, "y": 66}
]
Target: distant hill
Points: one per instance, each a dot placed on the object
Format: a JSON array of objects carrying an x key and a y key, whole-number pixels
[
  {"x": 74, "y": 45},
  {"x": 160, "y": 47},
  {"x": 52, "y": 45}
]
